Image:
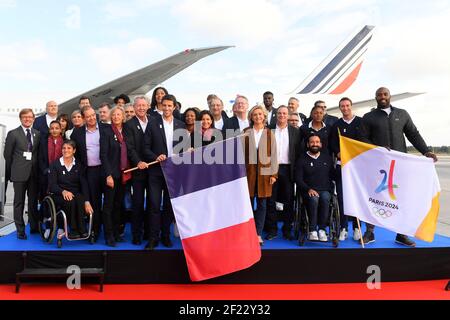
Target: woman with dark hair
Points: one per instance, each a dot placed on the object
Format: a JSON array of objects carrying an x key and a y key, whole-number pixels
[
  {"x": 207, "y": 133},
  {"x": 157, "y": 96},
  {"x": 69, "y": 187},
  {"x": 77, "y": 122},
  {"x": 65, "y": 122},
  {"x": 113, "y": 154},
  {"x": 50, "y": 149},
  {"x": 156, "y": 104},
  {"x": 190, "y": 116},
  {"x": 261, "y": 163}
]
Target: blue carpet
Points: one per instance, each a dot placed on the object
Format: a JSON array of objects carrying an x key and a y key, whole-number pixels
[{"x": 384, "y": 239}]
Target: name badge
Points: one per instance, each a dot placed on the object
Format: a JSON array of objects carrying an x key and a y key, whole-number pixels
[
  {"x": 345, "y": 130},
  {"x": 64, "y": 172},
  {"x": 27, "y": 155},
  {"x": 312, "y": 165}
]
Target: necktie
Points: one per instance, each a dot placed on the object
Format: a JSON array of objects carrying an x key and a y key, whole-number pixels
[{"x": 30, "y": 143}]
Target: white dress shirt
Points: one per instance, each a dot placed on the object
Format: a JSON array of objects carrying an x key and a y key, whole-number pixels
[
  {"x": 257, "y": 135},
  {"x": 282, "y": 139},
  {"x": 168, "y": 130}
]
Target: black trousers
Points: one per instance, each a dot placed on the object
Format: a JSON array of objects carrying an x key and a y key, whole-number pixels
[
  {"x": 96, "y": 183},
  {"x": 74, "y": 211},
  {"x": 160, "y": 220},
  {"x": 21, "y": 189},
  {"x": 140, "y": 216},
  {"x": 282, "y": 191},
  {"x": 113, "y": 209}
]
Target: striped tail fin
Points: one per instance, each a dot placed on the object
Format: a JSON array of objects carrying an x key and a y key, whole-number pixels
[{"x": 341, "y": 68}]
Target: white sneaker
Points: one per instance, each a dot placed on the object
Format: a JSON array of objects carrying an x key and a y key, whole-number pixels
[
  {"x": 46, "y": 233},
  {"x": 356, "y": 234},
  {"x": 343, "y": 234},
  {"x": 313, "y": 236},
  {"x": 323, "y": 236},
  {"x": 61, "y": 233},
  {"x": 176, "y": 234}
]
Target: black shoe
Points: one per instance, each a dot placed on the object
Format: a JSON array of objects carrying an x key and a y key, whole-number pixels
[
  {"x": 288, "y": 236},
  {"x": 368, "y": 237},
  {"x": 84, "y": 235},
  {"x": 110, "y": 242},
  {"x": 136, "y": 241},
  {"x": 151, "y": 244},
  {"x": 167, "y": 242},
  {"x": 404, "y": 240},
  {"x": 22, "y": 236},
  {"x": 271, "y": 236},
  {"x": 74, "y": 235}
]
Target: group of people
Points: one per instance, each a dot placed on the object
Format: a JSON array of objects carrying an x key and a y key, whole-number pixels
[{"x": 83, "y": 161}]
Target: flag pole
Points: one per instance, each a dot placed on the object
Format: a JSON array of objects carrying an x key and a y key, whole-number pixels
[
  {"x": 360, "y": 232},
  {"x": 135, "y": 168}
]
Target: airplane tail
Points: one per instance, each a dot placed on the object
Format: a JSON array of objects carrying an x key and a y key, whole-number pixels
[{"x": 341, "y": 68}]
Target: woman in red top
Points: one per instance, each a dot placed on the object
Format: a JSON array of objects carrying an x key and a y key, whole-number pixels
[{"x": 50, "y": 150}]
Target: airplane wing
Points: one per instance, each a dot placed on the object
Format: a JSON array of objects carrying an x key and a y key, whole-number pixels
[
  {"x": 372, "y": 102},
  {"x": 141, "y": 81}
]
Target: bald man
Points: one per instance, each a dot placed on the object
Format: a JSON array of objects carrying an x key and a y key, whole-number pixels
[
  {"x": 387, "y": 126},
  {"x": 42, "y": 123}
]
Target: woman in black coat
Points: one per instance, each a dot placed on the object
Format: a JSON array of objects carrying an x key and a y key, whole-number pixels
[{"x": 69, "y": 187}]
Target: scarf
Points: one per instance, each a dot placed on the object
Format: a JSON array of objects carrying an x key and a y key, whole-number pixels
[
  {"x": 124, "y": 164},
  {"x": 54, "y": 148}
]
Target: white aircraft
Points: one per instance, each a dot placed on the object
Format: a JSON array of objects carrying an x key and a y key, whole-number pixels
[
  {"x": 139, "y": 82},
  {"x": 339, "y": 71}
]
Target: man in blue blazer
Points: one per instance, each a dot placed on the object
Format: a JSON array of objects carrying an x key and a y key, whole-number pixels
[
  {"x": 42, "y": 123},
  {"x": 159, "y": 144}
]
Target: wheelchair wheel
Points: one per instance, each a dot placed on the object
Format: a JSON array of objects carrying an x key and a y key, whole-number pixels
[
  {"x": 47, "y": 221},
  {"x": 335, "y": 224}
]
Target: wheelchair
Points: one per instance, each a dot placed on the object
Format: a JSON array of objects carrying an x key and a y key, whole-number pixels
[
  {"x": 48, "y": 224},
  {"x": 301, "y": 221}
]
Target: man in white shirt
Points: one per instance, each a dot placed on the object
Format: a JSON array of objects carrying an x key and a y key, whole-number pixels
[
  {"x": 159, "y": 144},
  {"x": 288, "y": 148},
  {"x": 236, "y": 124},
  {"x": 215, "y": 105}
]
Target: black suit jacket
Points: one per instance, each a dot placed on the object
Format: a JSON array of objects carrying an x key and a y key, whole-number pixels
[
  {"x": 273, "y": 119},
  {"x": 74, "y": 181},
  {"x": 40, "y": 124},
  {"x": 110, "y": 152},
  {"x": 135, "y": 145},
  {"x": 18, "y": 169},
  {"x": 79, "y": 136},
  {"x": 155, "y": 142}
]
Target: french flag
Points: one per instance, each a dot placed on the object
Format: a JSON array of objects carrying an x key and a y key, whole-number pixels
[{"x": 212, "y": 209}]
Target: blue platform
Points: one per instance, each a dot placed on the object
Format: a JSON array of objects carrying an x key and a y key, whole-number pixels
[{"x": 384, "y": 239}]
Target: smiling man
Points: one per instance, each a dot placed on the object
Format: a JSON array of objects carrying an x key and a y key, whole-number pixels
[{"x": 387, "y": 126}]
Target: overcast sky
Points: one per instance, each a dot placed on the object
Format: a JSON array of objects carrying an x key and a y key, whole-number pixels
[{"x": 59, "y": 49}]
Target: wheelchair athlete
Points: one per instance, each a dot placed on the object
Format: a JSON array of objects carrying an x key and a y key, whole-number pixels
[
  {"x": 69, "y": 190},
  {"x": 314, "y": 171}
]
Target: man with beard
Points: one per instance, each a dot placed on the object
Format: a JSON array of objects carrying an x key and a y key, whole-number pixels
[
  {"x": 313, "y": 171},
  {"x": 386, "y": 126}
]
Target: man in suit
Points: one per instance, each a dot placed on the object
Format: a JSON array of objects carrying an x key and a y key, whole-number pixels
[
  {"x": 288, "y": 149},
  {"x": 293, "y": 105},
  {"x": 159, "y": 144},
  {"x": 134, "y": 131},
  {"x": 21, "y": 155},
  {"x": 271, "y": 110},
  {"x": 87, "y": 139},
  {"x": 215, "y": 105},
  {"x": 236, "y": 124},
  {"x": 42, "y": 123}
]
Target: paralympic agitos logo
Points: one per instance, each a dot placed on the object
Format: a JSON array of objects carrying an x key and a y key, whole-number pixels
[{"x": 388, "y": 182}]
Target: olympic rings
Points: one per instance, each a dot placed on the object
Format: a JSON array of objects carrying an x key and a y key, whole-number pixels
[{"x": 382, "y": 213}]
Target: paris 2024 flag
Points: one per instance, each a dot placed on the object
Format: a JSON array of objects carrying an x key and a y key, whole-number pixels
[
  {"x": 390, "y": 189},
  {"x": 211, "y": 202}
]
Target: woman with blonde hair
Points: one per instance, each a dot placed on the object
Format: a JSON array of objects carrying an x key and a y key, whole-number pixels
[{"x": 261, "y": 163}]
